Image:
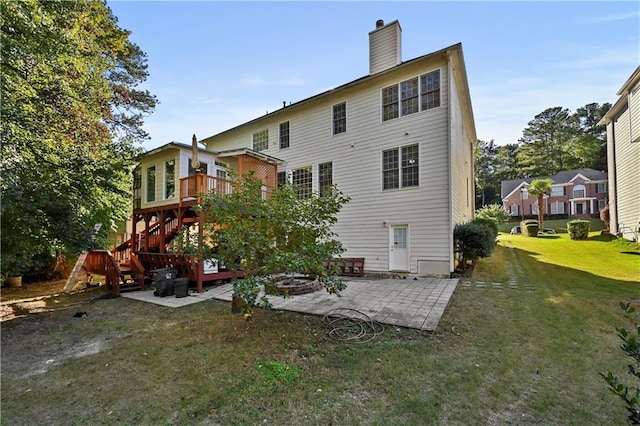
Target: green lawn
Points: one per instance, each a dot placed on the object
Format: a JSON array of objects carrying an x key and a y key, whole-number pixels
[{"x": 520, "y": 343}]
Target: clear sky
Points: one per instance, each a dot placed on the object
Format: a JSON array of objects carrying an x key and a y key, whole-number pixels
[{"x": 214, "y": 65}]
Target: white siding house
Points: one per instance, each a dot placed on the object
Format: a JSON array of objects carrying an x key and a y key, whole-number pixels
[
  {"x": 623, "y": 158},
  {"x": 398, "y": 142}
]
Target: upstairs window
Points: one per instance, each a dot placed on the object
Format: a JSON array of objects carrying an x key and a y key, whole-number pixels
[
  {"x": 579, "y": 191},
  {"x": 261, "y": 140},
  {"x": 151, "y": 184},
  {"x": 601, "y": 188},
  {"x": 340, "y": 118},
  {"x": 411, "y": 96},
  {"x": 170, "y": 179},
  {"x": 284, "y": 135},
  {"x": 137, "y": 188},
  {"x": 400, "y": 167},
  {"x": 302, "y": 179},
  {"x": 325, "y": 178},
  {"x": 557, "y": 191}
]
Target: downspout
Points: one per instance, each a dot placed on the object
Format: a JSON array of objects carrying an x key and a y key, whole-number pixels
[
  {"x": 450, "y": 197},
  {"x": 611, "y": 175}
]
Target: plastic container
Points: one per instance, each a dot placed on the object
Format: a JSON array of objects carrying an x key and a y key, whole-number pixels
[{"x": 181, "y": 287}]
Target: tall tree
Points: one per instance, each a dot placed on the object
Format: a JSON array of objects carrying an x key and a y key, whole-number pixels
[
  {"x": 71, "y": 118},
  {"x": 487, "y": 184},
  {"x": 545, "y": 142},
  {"x": 590, "y": 144}
]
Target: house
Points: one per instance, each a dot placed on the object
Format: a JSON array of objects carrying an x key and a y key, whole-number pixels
[
  {"x": 580, "y": 193},
  {"x": 623, "y": 159},
  {"x": 398, "y": 142}
]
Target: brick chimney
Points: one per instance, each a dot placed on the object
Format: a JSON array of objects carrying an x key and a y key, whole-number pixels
[{"x": 385, "y": 46}]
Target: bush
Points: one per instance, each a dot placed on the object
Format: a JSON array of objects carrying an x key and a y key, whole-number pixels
[
  {"x": 495, "y": 212},
  {"x": 578, "y": 229},
  {"x": 630, "y": 346},
  {"x": 473, "y": 240},
  {"x": 490, "y": 223}
]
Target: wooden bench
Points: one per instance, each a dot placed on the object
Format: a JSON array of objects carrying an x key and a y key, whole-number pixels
[{"x": 349, "y": 266}]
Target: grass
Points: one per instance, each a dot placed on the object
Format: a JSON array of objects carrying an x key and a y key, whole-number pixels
[{"x": 521, "y": 343}]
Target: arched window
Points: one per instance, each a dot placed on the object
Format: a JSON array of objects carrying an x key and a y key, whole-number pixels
[{"x": 579, "y": 191}]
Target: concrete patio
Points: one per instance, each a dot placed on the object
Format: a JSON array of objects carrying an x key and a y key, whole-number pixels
[{"x": 414, "y": 303}]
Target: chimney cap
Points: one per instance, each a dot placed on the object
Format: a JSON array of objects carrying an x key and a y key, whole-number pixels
[{"x": 379, "y": 23}]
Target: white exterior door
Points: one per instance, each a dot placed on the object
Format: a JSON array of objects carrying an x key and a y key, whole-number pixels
[{"x": 399, "y": 248}]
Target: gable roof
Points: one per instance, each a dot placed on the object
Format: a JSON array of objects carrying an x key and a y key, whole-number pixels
[
  {"x": 453, "y": 51},
  {"x": 221, "y": 154},
  {"x": 507, "y": 187}
]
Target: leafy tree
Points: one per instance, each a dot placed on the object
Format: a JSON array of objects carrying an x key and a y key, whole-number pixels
[
  {"x": 540, "y": 188},
  {"x": 495, "y": 212},
  {"x": 507, "y": 164},
  {"x": 71, "y": 116},
  {"x": 589, "y": 147},
  {"x": 263, "y": 236},
  {"x": 485, "y": 164}
]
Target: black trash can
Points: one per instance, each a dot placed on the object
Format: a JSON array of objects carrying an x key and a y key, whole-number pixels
[
  {"x": 163, "y": 281},
  {"x": 181, "y": 287}
]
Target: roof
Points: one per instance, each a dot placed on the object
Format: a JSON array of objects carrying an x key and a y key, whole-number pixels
[
  {"x": 445, "y": 53},
  {"x": 564, "y": 177},
  {"x": 221, "y": 154},
  {"x": 622, "y": 101}
]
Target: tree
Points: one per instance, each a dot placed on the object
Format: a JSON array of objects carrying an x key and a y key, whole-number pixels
[
  {"x": 540, "y": 188},
  {"x": 545, "y": 142},
  {"x": 71, "y": 117},
  {"x": 262, "y": 236},
  {"x": 590, "y": 145},
  {"x": 487, "y": 184}
]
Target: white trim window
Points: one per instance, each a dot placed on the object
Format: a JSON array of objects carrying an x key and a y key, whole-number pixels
[
  {"x": 579, "y": 191},
  {"x": 400, "y": 167},
  {"x": 557, "y": 191},
  {"x": 302, "y": 178},
  {"x": 204, "y": 168},
  {"x": 339, "y": 117},
  {"x": 534, "y": 208},
  {"x": 411, "y": 96},
  {"x": 557, "y": 207},
  {"x": 325, "y": 178},
  {"x": 284, "y": 135},
  {"x": 170, "y": 179},
  {"x": 601, "y": 188},
  {"x": 151, "y": 184},
  {"x": 261, "y": 140},
  {"x": 601, "y": 204},
  {"x": 513, "y": 210}
]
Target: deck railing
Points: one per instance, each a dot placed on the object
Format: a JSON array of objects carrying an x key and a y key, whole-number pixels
[
  {"x": 101, "y": 262},
  {"x": 192, "y": 187}
]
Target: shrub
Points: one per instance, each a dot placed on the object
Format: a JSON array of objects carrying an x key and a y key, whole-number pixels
[
  {"x": 473, "y": 240},
  {"x": 630, "y": 395},
  {"x": 578, "y": 229},
  {"x": 490, "y": 223},
  {"x": 495, "y": 212}
]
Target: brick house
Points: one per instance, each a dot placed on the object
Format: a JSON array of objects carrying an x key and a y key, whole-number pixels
[{"x": 578, "y": 194}]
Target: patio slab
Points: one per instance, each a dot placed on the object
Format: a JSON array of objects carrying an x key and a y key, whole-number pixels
[{"x": 415, "y": 303}]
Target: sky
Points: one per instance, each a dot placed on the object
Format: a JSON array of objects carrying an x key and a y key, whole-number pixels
[{"x": 215, "y": 65}]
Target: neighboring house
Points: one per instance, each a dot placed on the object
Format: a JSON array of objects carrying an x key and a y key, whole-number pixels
[
  {"x": 398, "y": 142},
  {"x": 578, "y": 193},
  {"x": 623, "y": 158}
]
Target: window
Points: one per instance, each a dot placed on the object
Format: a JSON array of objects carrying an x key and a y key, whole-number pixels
[
  {"x": 340, "y": 118},
  {"x": 556, "y": 208},
  {"x": 261, "y": 140},
  {"x": 325, "y": 178},
  {"x": 204, "y": 168},
  {"x": 579, "y": 191},
  {"x": 282, "y": 179},
  {"x": 430, "y": 89},
  {"x": 411, "y": 96},
  {"x": 602, "y": 204},
  {"x": 524, "y": 193},
  {"x": 557, "y": 191},
  {"x": 601, "y": 188},
  {"x": 390, "y": 103},
  {"x": 170, "y": 179},
  {"x": 137, "y": 188},
  {"x": 302, "y": 179},
  {"x": 534, "y": 208},
  {"x": 514, "y": 210},
  {"x": 221, "y": 174},
  {"x": 151, "y": 184},
  {"x": 284, "y": 135},
  {"x": 400, "y": 168}
]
